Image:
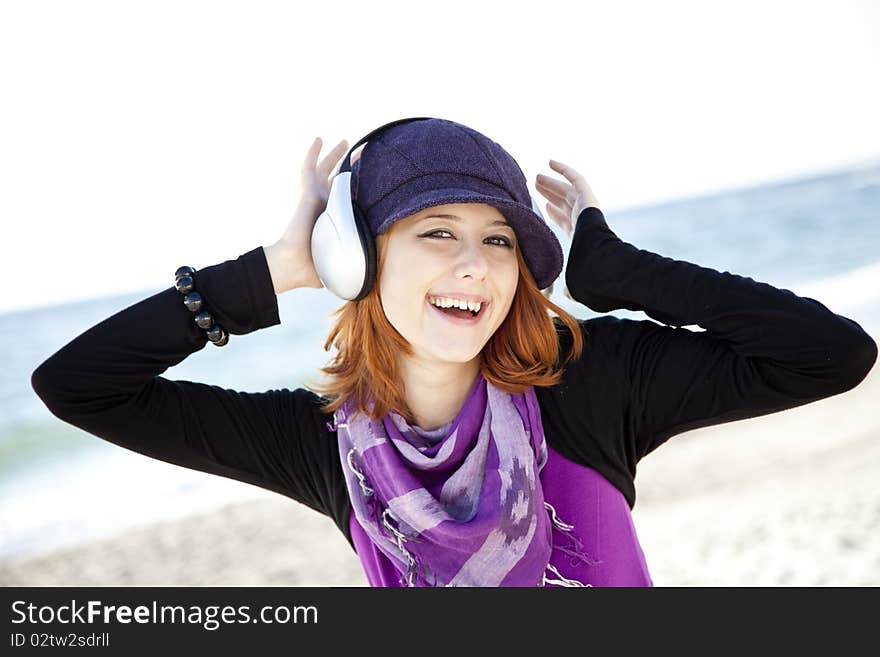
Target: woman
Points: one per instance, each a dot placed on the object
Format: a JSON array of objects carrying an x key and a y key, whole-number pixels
[{"x": 488, "y": 445}]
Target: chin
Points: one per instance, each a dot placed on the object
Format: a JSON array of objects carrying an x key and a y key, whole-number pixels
[{"x": 453, "y": 355}]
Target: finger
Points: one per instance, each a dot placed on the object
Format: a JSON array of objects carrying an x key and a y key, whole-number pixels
[
  {"x": 560, "y": 189},
  {"x": 561, "y": 217},
  {"x": 558, "y": 215},
  {"x": 550, "y": 196},
  {"x": 312, "y": 155},
  {"x": 581, "y": 186},
  {"x": 553, "y": 188},
  {"x": 332, "y": 158},
  {"x": 565, "y": 170}
]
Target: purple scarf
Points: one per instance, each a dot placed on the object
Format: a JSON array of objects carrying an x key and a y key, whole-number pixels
[{"x": 461, "y": 505}]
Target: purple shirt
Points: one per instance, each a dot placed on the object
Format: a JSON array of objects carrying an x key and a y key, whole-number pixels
[{"x": 583, "y": 498}]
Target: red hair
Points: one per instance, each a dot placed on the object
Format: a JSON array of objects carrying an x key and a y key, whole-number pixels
[{"x": 524, "y": 351}]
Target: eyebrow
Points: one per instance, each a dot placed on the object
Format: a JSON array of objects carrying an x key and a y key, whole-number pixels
[{"x": 499, "y": 222}]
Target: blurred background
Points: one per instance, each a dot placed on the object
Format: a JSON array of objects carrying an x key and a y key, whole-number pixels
[{"x": 137, "y": 137}]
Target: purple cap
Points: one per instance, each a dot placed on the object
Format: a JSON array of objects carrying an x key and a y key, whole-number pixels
[{"x": 422, "y": 164}]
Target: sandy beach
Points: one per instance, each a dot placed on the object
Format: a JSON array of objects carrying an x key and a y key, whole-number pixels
[{"x": 789, "y": 499}]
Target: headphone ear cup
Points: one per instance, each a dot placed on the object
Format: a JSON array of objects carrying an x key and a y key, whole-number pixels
[
  {"x": 368, "y": 245},
  {"x": 342, "y": 263},
  {"x": 341, "y": 244}
]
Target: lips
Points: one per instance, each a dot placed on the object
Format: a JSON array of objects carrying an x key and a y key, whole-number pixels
[{"x": 455, "y": 319}]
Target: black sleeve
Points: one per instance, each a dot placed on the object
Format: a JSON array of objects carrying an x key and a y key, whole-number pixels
[
  {"x": 106, "y": 381},
  {"x": 763, "y": 349}
]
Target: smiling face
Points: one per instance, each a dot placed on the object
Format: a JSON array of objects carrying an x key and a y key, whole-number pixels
[{"x": 465, "y": 254}]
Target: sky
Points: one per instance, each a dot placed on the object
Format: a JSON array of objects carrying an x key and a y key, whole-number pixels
[{"x": 140, "y": 136}]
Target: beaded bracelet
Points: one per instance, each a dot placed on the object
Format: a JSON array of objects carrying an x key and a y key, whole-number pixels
[{"x": 185, "y": 284}]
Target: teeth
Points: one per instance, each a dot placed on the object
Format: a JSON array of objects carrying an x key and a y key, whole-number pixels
[{"x": 447, "y": 302}]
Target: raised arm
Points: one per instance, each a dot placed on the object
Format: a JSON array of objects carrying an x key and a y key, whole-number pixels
[
  {"x": 763, "y": 349},
  {"x": 107, "y": 382}
]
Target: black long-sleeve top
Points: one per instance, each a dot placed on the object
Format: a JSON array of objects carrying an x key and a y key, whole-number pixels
[{"x": 637, "y": 383}]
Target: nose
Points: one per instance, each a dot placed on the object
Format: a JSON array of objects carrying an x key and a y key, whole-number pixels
[{"x": 472, "y": 260}]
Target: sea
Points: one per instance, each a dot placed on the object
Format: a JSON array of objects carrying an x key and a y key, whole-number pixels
[{"x": 817, "y": 236}]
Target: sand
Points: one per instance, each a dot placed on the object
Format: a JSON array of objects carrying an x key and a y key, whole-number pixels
[{"x": 788, "y": 499}]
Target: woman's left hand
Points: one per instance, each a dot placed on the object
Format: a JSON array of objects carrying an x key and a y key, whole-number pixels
[{"x": 566, "y": 200}]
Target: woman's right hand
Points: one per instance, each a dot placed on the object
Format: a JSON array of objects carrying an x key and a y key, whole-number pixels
[{"x": 295, "y": 245}]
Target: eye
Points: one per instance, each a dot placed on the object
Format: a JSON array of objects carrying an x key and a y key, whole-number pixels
[{"x": 504, "y": 241}]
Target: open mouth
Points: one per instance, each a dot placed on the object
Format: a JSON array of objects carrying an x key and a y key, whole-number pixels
[{"x": 460, "y": 315}]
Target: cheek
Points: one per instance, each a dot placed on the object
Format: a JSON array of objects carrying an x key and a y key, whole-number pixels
[
  {"x": 510, "y": 280},
  {"x": 407, "y": 261},
  {"x": 402, "y": 298},
  {"x": 507, "y": 285}
]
